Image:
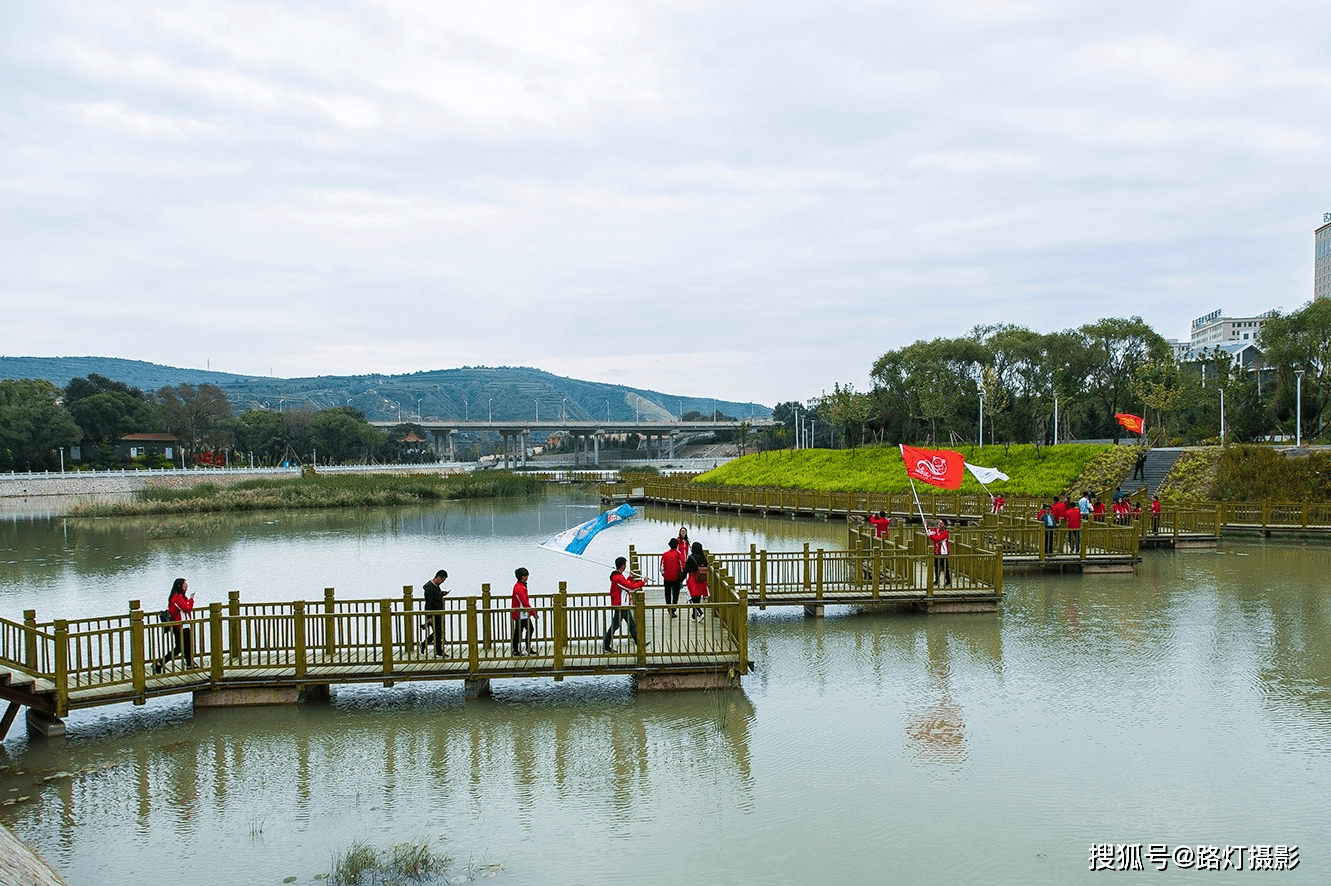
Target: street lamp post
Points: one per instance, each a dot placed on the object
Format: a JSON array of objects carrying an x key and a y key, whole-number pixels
[
  {"x": 1298, "y": 407},
  {"x": 563, "y": 408},
  {"x": 419, "y": 401},
  {"x": 466, "y": 410},
  {"x": 1055, "y": 419},
  {"x": 981, "y": 443},
  {"x": 1222, "y": 416},
  {"x": 538, "y": 410}
]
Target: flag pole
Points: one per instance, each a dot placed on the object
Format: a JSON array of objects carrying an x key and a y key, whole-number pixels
[{"x": 918, "y": 506}]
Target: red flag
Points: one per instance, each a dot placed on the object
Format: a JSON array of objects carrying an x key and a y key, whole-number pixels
[
  {"x": 938, "y": 467},
  {"x": 1131, "y": 422}
]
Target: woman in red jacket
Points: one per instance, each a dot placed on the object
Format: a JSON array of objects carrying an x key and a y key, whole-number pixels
[
  {"x": 179, "y": 607},
  {"x": 695, "y": 578},
  {"x": 621, "y": 599},
  {"x": 522, "y": 623}
]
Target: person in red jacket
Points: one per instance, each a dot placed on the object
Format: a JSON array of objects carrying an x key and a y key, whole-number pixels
[
  {"x": 1155, "y": 515},
  {"x": 1073, "y": 516},
  {"x": 522, "y": 624},
  {"x": 695, "y": 577},
  {"x": 622, "y": 587},
  {"x": 672, "y": 575},
  {"x": 941, "y": 564},
  {"x": 880, "y": 523},
  {"x": 1098, "y": 510},
  {"x": 179, "y": 607}
]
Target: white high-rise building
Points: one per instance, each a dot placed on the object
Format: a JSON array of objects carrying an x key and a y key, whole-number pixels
[{"x": 1322, "y": 258}]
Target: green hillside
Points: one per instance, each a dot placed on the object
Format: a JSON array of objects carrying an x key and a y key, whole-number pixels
[{"x": 475, "y": 392}]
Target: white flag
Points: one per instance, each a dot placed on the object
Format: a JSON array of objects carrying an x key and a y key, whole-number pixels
[{"x": 986, "y": 475}]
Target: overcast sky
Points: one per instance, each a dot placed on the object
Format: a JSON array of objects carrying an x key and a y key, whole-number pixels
[{"x": 748, "y": 200}]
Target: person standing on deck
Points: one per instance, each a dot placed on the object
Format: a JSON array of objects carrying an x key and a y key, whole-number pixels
[
  {"x": 622, "y": 588},
  {"x": 1073, "y": 516},
  {"x": 1155, "y": 515},
  {"x": 1047, "y": 520},
  {"x": 434, "y": 619},
  {"x": 672, "y": 575},
  {"x": 941, "y": 564},
  {"x": 522, "y": 624},
  {"x": 695, "y": 576}
]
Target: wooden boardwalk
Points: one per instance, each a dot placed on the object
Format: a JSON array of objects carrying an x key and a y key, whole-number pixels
[{"x": 54, "y": 667}]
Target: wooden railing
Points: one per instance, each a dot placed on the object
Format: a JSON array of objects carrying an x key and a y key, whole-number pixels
[{"x": 79, "y": 662}]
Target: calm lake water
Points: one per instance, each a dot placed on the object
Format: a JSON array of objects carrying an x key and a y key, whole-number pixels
[{"x": 1188, "y": 705}]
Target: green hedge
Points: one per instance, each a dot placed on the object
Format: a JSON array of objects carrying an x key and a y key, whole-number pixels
[{"x": 1046, "y": 471}]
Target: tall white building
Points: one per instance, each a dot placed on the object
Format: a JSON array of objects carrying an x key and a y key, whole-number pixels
[{"x": 1322, "y": 258}]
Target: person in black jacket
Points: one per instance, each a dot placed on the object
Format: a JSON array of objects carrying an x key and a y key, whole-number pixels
[{"x": 434, "y": 619}]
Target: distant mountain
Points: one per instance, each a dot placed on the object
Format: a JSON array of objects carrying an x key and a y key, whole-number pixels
[{"x": 476, "y": 392}]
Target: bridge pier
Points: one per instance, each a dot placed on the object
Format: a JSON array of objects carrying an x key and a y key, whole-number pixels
[
  {"x": 681, "y": 682},
  {"x": 44, "y": 725},
  {"x": 813, "y": 610},
  {"x": 255, "y": 696},
  {"x": 477, "y": 688}
]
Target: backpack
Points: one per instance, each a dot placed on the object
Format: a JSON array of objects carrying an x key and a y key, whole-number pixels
[{"x": 701, "y": 572}]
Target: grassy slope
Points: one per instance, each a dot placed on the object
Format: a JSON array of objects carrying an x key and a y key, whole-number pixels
[
  {"x": 1053, "y": 470},
  {"x": 1248, "y": 473}
]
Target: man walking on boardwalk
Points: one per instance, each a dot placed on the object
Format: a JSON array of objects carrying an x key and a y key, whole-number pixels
[{"x": 434, "y": 619}]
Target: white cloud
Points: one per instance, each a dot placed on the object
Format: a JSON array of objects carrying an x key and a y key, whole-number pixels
[{"x": 745, "y": 199}]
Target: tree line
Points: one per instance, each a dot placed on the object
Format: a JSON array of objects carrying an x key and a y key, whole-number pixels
[
  {"x": 41, "y": 424},
  {"x": 1019, "y": 382}
]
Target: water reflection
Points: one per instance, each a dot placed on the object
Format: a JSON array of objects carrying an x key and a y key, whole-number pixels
[
  {"x": 1190, "y": 702},
  {"x": 329, "y": 770}
]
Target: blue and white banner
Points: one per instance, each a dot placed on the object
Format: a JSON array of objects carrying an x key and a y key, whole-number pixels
[{"x": 574, "y": 541}]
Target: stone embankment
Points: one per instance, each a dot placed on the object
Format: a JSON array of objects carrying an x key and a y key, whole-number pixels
[
  {"x": 85, "y": 483},
  {"x": 19, "y": 864}
]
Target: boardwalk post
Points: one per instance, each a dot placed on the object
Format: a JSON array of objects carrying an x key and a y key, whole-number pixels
[
  {"x": 640, "y": 616},
  {"x": 215, "y": 640},
  {"x": 298, "y": 636},
  {"x": 330, "y": 632},
  {"x": 408, "y": 642},
  {"x": 386, "y": 637},
  {"x": 559, "y": 628},
  {"x": 137, "y": 655},
  {"x": 486, "y": 640},
  {"x": 233, "y": 608},
  {"x": 762, "y": 581},
  {"x": 753, "y": 566},
  {"x": 473, "y": 650},
  {"x": 808, "y": 568},
  {"x": 819, "y": 575},
  {"x": 876, "y": 550},
  {"x": 61, "y": 667},
  {"x": 30, "y": 639}
]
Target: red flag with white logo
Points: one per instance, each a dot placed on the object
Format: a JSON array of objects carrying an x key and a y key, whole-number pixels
[{"x": 937, "y": 467}]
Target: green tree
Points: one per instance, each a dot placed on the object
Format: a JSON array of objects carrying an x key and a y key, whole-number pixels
[
  {"x": 33, "y": 426},
  {"x": 1301, "y": 341},
  {"x": 192, "y": 413},
  {"x": 342, "y": 434},
  {"x": 261, "y": 433},
  {"x": 1116, "y": 348}
]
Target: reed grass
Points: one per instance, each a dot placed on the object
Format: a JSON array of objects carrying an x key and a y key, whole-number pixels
[{"x": 317, "y": 491}]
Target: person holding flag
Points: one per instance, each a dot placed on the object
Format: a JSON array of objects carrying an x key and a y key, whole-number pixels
[
  {"x": 941, "y": 565},
  {"x": 622, "y": 588}
]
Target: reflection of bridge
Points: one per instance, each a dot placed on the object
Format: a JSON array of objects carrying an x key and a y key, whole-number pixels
[{"x": 661, "y": 436}]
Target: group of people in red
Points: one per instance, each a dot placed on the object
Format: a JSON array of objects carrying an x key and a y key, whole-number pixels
[{"x": 1071, "y": 515}]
